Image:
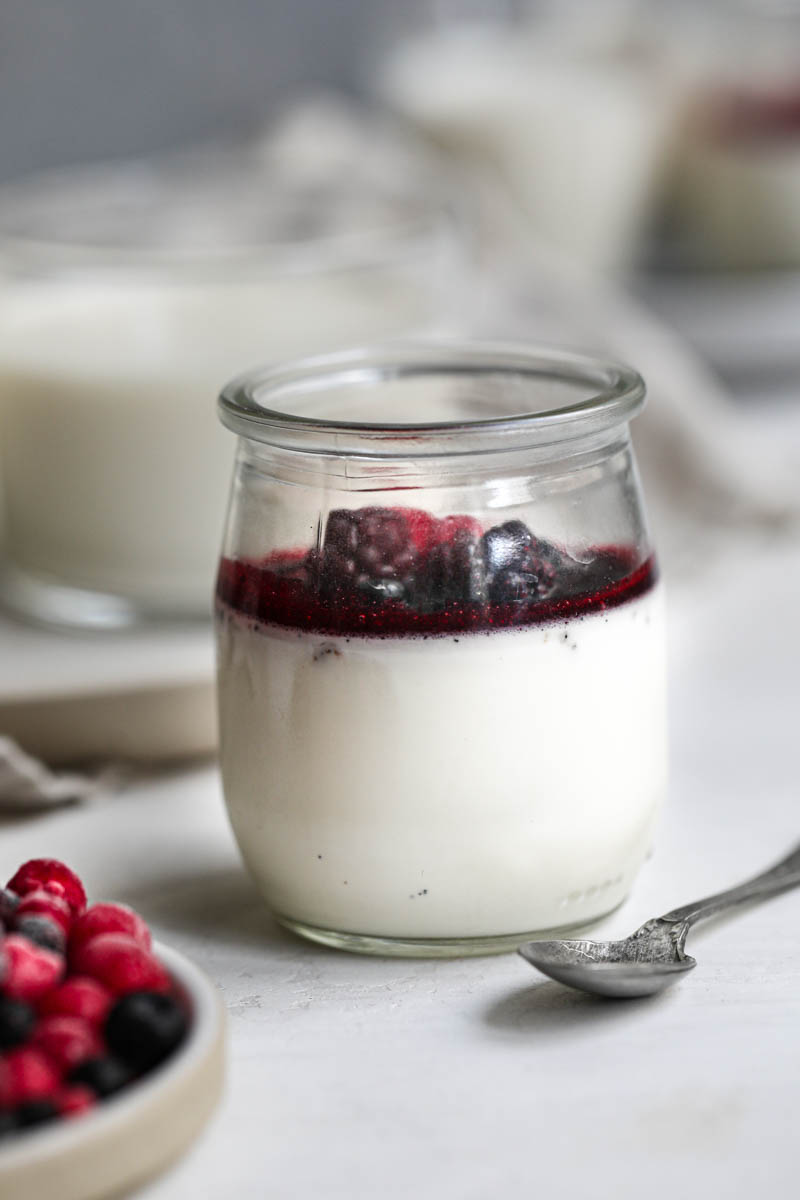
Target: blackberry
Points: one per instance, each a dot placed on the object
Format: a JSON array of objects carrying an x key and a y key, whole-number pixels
[
  {"x": 143, "y": 1028},
  {"x": 518, "y": 567},
  {"x": 8, "y": 906},
  {"x": 369, "y": 551},
  {"x": 42, "y": 932},
  {"x": 17, "y": 1020},
  {"x": 8, "y": 1123},
  {"x": 35, "y": 1112},
  {"x": 103, "y": 1075},
  {"x": 453, "y": 568}
]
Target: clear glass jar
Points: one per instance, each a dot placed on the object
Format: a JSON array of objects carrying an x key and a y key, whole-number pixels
[
  {"x": 127, "y": 296},
  {"x": 440, "y": 645}
]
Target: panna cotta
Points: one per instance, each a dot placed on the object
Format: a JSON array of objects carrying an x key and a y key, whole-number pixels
[{"x": 438, "y": 730}]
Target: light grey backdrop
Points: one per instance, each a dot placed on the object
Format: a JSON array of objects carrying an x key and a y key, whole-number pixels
[{"x": 84, "y": 79}]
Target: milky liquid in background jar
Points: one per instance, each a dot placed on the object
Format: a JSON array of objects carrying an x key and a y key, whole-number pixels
[{"x": 130, "y": 292}]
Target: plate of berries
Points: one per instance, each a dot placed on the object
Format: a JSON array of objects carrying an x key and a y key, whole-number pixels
[{"x": 111, "y": 1046}]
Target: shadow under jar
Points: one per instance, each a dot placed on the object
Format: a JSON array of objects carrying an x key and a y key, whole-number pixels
[{"x": 440, "y": 645}]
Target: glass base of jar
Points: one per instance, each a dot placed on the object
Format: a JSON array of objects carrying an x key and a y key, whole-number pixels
[
  {"x": 60, "y": 606},
  {"x": 398, "y": 947}
]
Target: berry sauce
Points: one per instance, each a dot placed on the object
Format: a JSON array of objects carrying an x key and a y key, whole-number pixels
[{"x": 365, "y": 580}]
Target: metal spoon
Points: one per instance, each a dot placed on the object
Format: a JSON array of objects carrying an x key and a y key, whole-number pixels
[{"x": 652, "y": 958}]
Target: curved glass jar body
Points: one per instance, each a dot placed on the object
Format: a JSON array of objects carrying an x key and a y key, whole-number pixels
[
  {"x": 127, "y": 296},
  {"x": 440, "y": 646}
]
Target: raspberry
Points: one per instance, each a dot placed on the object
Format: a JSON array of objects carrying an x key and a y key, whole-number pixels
[
  {"x": 26, "y": 1074},
  {"x": 108, "y": 918},
  {"x": 67, "y": 1041},
  {"x": 121, "y": 964},
  {"x": 53, "y": 876},
  {"x": 144, "y": 1028},
  {"x": 74, "y": 1099},
  {"x": 40, "y": 903},
  {"x": 78, "y": 996},
  {"x": 30, "y": 970}
]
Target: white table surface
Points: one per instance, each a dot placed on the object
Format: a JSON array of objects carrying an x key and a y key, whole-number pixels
[{"x": 475, "y": 1079}]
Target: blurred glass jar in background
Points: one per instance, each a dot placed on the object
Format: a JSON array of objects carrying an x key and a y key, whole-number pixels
[
  {"x": 736, "y": 195},
  {"x": 127, "y": 295},
  {"x": 568, "y": 106}
]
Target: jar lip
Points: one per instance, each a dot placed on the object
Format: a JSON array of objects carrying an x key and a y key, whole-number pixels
[{"x": 619, "y": 396}]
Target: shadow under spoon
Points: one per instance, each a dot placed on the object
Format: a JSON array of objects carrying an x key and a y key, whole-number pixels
[{"x": 653, "y": 957}]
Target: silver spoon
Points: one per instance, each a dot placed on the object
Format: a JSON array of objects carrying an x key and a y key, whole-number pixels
[{"x": 652, "y": 958}]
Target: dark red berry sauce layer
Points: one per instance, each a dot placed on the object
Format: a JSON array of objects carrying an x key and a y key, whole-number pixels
[{"x": 394, "y": 572}]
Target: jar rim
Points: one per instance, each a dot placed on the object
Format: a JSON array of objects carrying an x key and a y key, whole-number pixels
[{"x": 617, "y": 393}]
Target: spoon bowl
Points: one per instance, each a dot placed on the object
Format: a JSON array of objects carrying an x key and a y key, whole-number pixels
[
  {"x": 652, "y": 958},
  {"x": 605, "y": 968}
]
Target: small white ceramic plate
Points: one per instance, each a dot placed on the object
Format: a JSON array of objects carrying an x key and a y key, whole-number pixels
[
  {"x": 136, "y": 1134},
  {"x": 145, "y": 694}
]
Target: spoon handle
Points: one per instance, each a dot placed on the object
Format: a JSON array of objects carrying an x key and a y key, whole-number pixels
[{"x": 779, "y": 878}]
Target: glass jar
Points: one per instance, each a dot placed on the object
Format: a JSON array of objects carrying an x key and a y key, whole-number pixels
[
  {"x": 440, "y": 645},
  {"x": 127, "y": 296}
]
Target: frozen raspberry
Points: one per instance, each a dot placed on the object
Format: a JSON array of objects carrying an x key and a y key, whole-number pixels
[
  {"x": 40, "y": 903},
  {"x": 74, "y": 1099},
  {"x": 144, "y": 1028},
  {"x": 103, "y": 1076},
  {"x": 17, "y": 1020},
  {"x": 108, "y": 918},
  {"x": 374, "y": 551},
  {"x": 121, "y": 964},
  {"x": 26, "y": 1074},
  {"x": 53, "y": 876},
  {"x": 42, "y": 932},
  {"x": 67, "y": 1041},
  {"x": 78, "y": 996},
  {"x": 30, "y": 970}
]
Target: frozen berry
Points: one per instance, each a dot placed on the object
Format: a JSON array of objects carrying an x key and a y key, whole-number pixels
[
  {"x": 374, "y": 551},
  {"x": 8, "y": 906},
  {"x": 103, "y": 1076},
  {"x": 35, "y": 1112},
  {"x": 17, "y": 1020},
  {"x": 108, "y": 918},
  {"x": 26, "y": 1074},
  {"x": 42, "y": 931},
  {"x": 30, "y": 970},
  {"x": 74, "y": 1099},
  {"x": 518, "y": 568},
  {"x": 67, "y": 1041},
  {"x": 41, "y": 903},
  {"x": 78, "y": 996},
  {"x": 8, "y": 1123},
  {"x": 144, "y": 1028},
  {"x": 53, "y": 876},
  {"x": 451, "y": 573},
  {"x": 121, "y": 964}
]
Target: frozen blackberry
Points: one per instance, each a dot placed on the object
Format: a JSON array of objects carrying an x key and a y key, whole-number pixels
[
  {"x": 373, "y": 551},
  {"x": 42, "y": 932},
  {"x": 35, "y": 1112},
  {"x": 8, "y": 906},
  {"x": 103, "y": 1076},
  {"x": 518, "y": 568},
  {"x": 17, "y": 1020},
  {"x": 453, "y": 573},
  {"x": 143, "y": 1028}
]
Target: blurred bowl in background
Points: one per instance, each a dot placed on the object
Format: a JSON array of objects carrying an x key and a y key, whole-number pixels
[{"x": 129, "y": 292}]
